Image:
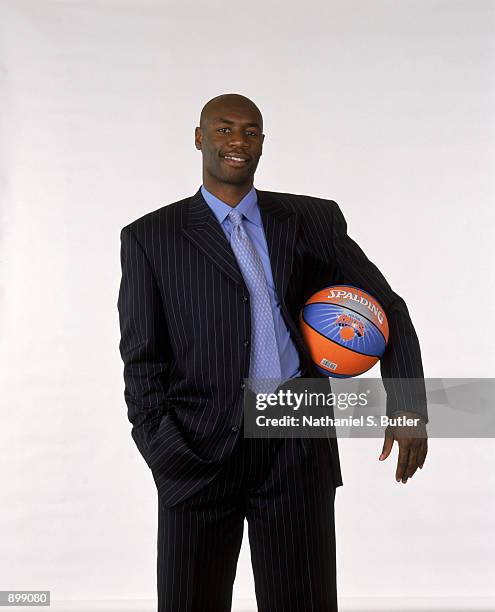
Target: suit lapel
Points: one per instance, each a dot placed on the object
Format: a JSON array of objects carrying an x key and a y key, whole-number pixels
[
  {"x": 280, "y": 225},
  {"x": 202, "y": 228}
]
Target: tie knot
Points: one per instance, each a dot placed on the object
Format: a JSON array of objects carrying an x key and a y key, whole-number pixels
[{"x": 236, "y": 217}]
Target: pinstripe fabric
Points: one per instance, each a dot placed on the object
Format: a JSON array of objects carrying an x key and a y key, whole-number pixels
[
  {"x": 185, "y": 325},
  {"x": 288, "y": 500}
]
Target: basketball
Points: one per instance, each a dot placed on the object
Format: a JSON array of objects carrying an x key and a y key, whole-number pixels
[{"x": 345, "y": 330}]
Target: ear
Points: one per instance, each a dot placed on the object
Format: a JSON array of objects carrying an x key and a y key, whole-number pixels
[{"x": 198, "y": 138}]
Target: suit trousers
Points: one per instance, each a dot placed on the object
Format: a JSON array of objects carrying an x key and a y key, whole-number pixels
[{"x": 286, "y": 494}]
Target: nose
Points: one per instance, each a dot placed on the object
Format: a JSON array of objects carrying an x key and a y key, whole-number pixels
[{"x": 239, "y": 139}]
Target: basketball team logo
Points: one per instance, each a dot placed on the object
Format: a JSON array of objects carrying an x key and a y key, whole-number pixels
[
  {"x": 345, "y": 329},
  {"x": 349, "y": 327}
]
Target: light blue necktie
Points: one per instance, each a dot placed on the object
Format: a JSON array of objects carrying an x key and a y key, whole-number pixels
[{"x": 264, "y": 369}]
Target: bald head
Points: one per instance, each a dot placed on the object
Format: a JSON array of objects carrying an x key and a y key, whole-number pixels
[
  {"x": 230, "y": 138},
  {"x": 231, "y": 101}
]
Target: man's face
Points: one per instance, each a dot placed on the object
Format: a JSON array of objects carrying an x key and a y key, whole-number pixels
[{"x": 231, "y": 142}]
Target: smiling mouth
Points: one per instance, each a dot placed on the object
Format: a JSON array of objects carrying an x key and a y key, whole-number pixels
[{"x": 234, "y": 161}]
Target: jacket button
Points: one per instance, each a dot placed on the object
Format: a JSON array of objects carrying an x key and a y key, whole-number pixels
[
  {"x": 235, "y": 428},
  {"x": 246, "y": 342},
  {"x": 245, "y": 299},
  {"x": 243, "y": 385}
]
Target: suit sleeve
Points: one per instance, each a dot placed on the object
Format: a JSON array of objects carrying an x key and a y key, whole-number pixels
[
  {"x": 401, "y": 365},
  {"x": 144, "y": 345}
]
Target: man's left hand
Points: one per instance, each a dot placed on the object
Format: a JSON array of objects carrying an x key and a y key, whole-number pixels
[{"x": 413, "y": 445}]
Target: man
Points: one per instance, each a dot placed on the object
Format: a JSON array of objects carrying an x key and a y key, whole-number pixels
[{"x": 211, "y": 290}]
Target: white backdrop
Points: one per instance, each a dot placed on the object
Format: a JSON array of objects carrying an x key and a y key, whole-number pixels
[{"x": 386, "y": 107}]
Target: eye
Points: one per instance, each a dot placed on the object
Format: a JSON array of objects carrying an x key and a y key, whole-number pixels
[
  {"x": 223, "y": 128},
  {"x": 253, "y": 133}
]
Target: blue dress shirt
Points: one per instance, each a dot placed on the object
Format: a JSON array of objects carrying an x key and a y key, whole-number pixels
[{"x": 252, "y": 223}]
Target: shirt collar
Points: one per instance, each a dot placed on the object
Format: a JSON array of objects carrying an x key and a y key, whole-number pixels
[{"x": 248, "y": 206}]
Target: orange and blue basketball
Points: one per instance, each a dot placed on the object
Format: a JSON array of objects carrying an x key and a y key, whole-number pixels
[{"x": 345, "y": 330}]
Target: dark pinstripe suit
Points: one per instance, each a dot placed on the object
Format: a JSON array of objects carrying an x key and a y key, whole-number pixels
[{"x": 185, "y": 329}]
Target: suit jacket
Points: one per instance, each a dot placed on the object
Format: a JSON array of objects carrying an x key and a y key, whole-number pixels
[{"x": 185, "y": 326}]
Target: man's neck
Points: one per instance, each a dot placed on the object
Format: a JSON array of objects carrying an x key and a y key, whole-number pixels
[{"x": 230, "y": 194}]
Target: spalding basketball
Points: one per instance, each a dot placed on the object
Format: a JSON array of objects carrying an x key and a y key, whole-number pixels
[{"x": 345, "y": 330}]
